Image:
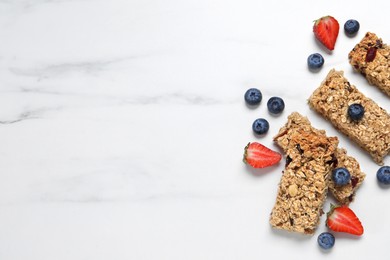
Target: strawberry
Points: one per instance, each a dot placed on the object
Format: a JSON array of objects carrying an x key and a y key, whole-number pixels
[
  {"x": 343, "y": 219},
  {"x": 326, "y": 30},
  {"x": 259, "y": 156}
]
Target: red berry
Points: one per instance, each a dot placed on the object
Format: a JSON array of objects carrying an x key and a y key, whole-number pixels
[
  {"x": 259, "y": 156},
  {"x": 326, "y": 30},
  {"x": 343, "y": 219}
]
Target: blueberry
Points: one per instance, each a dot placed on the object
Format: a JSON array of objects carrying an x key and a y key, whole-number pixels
[
  {"x": 275, "y": 105},
  {"x": 326, "y": 240},
  {"x": 260, "y": 126},
  {"x": 351, "y": 27},
  {"x": 356, "y": 112},
  {"x": 383, "y": 175},
  {"x": 253, "y": 96},
  {"x": 315, "y": 61},
  {"x": 341, "y": 176}
]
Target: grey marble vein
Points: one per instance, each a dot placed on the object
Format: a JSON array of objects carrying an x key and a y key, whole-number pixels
[
  {"x": 176, "y": 97},
  {"x": 93, "y": 67},
  {"x": 22, "y": 117},
  {"x": 29, "y": 114}
]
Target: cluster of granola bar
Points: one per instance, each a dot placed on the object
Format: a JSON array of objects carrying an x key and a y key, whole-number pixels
[{"x": 311, "y": 155}]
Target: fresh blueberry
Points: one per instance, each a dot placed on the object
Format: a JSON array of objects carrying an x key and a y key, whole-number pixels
[
  {"x": 351, "y": 27},
  {"x": 253, "y": 96},
  {"x": 315, "y": 61},
  {"x": 275, "y": 105},
  {"x": 356, "y": 112},
  {"x": 383, "y": 175},
  {"x": 260, "y": 126},
  {"x": 326, "y": 240},
  {"x": 341, "y": 176}
]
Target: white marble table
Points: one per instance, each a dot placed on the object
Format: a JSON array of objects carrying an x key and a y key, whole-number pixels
[{"x": 122, "y": 127}]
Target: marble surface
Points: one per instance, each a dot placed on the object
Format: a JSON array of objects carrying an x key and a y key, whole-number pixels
[{"x": 123, "y": 124}]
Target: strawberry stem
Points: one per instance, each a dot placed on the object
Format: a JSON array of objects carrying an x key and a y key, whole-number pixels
[
  {"x": 245, "y": 153},
  {"x": 332, "y": 208}
]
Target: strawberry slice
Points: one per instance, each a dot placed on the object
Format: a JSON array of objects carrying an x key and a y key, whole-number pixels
[
  {"x": 343, "y": 219},
  {"x": 326, "y": 30},
  {"x": 259, "y": 156}
]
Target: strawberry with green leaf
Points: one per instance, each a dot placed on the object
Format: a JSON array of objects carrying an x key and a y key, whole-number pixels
[
  {"x": 343, "y": 219},
  {"x": 326, "y": 30},
  {"x": 259, "y": 156}
]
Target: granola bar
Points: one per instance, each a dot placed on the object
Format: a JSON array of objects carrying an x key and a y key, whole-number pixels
[
  {"x": 345, "y": 194},
  {"x": 304, "y": 184},
  {"x": 332, "y": 98},
  {"x": 371, "y": 57}
]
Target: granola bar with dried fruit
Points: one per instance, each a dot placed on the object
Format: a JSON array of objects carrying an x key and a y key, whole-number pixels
[
  {"x": 304, "y": 184},
  {"x": 332, "y": 100},
  {"x": 345, "y": 194},
  {"x": 371, "y": 57}
]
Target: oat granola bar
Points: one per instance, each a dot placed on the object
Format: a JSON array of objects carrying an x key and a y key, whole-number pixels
[
  {"x": 304, "y": 184},
  {"x": 371, "y": 57},
  {"x": 345, "y": 194},
  {"x": 332, "y": 98}
]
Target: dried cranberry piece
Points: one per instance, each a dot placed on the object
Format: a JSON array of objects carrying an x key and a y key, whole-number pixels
[
  {"x": 288, "y": 160},
  {"x": 299, "y": 149},
  {"x": 371, "y": 53},
  {"x": 354, "y": 181},
  {"x": 333, "y": 161}
]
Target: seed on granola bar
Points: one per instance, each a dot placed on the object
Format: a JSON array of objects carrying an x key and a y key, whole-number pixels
[{"x": 293, "y": 190}]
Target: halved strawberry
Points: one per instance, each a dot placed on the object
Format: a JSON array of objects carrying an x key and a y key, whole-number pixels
[
  {"x": 343, "y": 219},
  {"x": 326, "y": 30},
  {"x": 259, "y": 156}
]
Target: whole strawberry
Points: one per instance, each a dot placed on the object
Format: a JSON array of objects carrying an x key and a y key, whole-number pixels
[
  {"x": 343, "y": 219},
  {"x": 259, "y": 156},
  {"x": 326, "y": 30}
]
